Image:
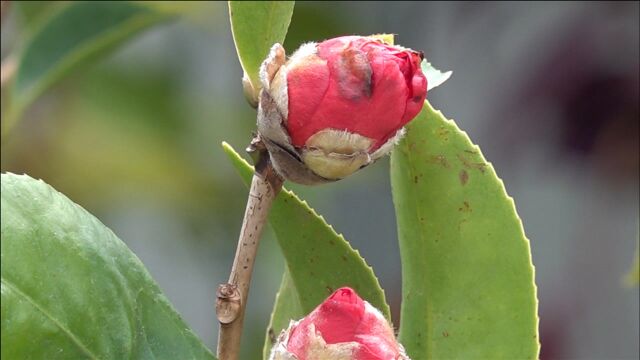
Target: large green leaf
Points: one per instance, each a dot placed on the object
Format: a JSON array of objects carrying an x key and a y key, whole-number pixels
[
  {"x": 74, "y": 35},
  {"x": 72, "y": 290},
  {"x": 468, "y": 281},
  {"x": 318, "y": 259},
  {"x": 256, "y": 26}
]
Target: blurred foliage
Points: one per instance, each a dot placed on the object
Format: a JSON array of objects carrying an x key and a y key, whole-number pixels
[
  {"x": 130, "y": 130},
  {"x": 77, "y": 34},
  {"x": 33, "y": 13}
]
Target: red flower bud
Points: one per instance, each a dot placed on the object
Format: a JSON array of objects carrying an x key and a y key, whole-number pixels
[
  {"x": 343, "y": 327},
  {"x": 337, "y": 106}
]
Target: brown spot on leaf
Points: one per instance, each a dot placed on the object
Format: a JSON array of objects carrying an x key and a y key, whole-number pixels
[
  {"x": 439, "y": 160},
  {"x": 443, "y": 133},
  {"x": 465, "y": 207},
  {"x": 471, "y": 165},
  {"x": 464, "y": 177},
  {"x": 445, "y": 333}
]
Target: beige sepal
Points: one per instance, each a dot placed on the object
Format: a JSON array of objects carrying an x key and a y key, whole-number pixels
[
  {"x": 317, "y": 349},
  {"x": 335, "y": 154}
]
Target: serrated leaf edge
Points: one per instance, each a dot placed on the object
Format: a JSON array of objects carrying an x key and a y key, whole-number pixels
[{"x": 512, "y": 204}]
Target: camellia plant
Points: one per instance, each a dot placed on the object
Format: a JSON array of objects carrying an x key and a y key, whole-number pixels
[{"x": 324, "y": 112}]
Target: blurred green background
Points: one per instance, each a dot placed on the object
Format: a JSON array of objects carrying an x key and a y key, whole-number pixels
[{"x": 548, "y": 90}]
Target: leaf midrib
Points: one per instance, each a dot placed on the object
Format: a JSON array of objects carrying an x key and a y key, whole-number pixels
[{"x": 41, "y": 309}]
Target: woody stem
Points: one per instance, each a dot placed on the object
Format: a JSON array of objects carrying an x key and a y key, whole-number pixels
[{"x": 232, "y": 296}]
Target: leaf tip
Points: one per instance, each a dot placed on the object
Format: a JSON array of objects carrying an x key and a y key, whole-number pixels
[{"x": 230, "y": 151}]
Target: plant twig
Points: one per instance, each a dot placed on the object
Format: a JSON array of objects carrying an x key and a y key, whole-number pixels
[{"x": 232, "y": 296}]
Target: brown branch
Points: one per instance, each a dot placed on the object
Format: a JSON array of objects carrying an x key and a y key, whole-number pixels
[{"x": 232, "y": 296}]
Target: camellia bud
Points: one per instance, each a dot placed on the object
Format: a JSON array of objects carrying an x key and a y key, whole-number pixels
[
  {"x": 337, "y": 106},
  {"x": 343, "y": 327}
]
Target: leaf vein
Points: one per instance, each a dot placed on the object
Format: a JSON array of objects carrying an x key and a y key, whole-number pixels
[{"x": 13, "y": 287}]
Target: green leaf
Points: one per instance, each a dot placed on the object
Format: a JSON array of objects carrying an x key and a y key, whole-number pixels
[
  {"x": 72, "y": 290},
  {"x": 75, "y": 35},
  {"x": 318, "y": 259},
  {"x": 256, "y": 26},
  {"x": 468, "y": 281},
  {"x": 31, "y": 13},
  {"x": 434, "y": 76},
  {"x": 286, "y": 308}
]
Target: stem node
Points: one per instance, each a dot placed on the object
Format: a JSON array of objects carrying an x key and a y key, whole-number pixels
[{"x": 228, "y": 303}]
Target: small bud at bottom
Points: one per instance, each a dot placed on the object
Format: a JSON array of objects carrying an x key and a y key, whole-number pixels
[{"x": 343, "y": 327}]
